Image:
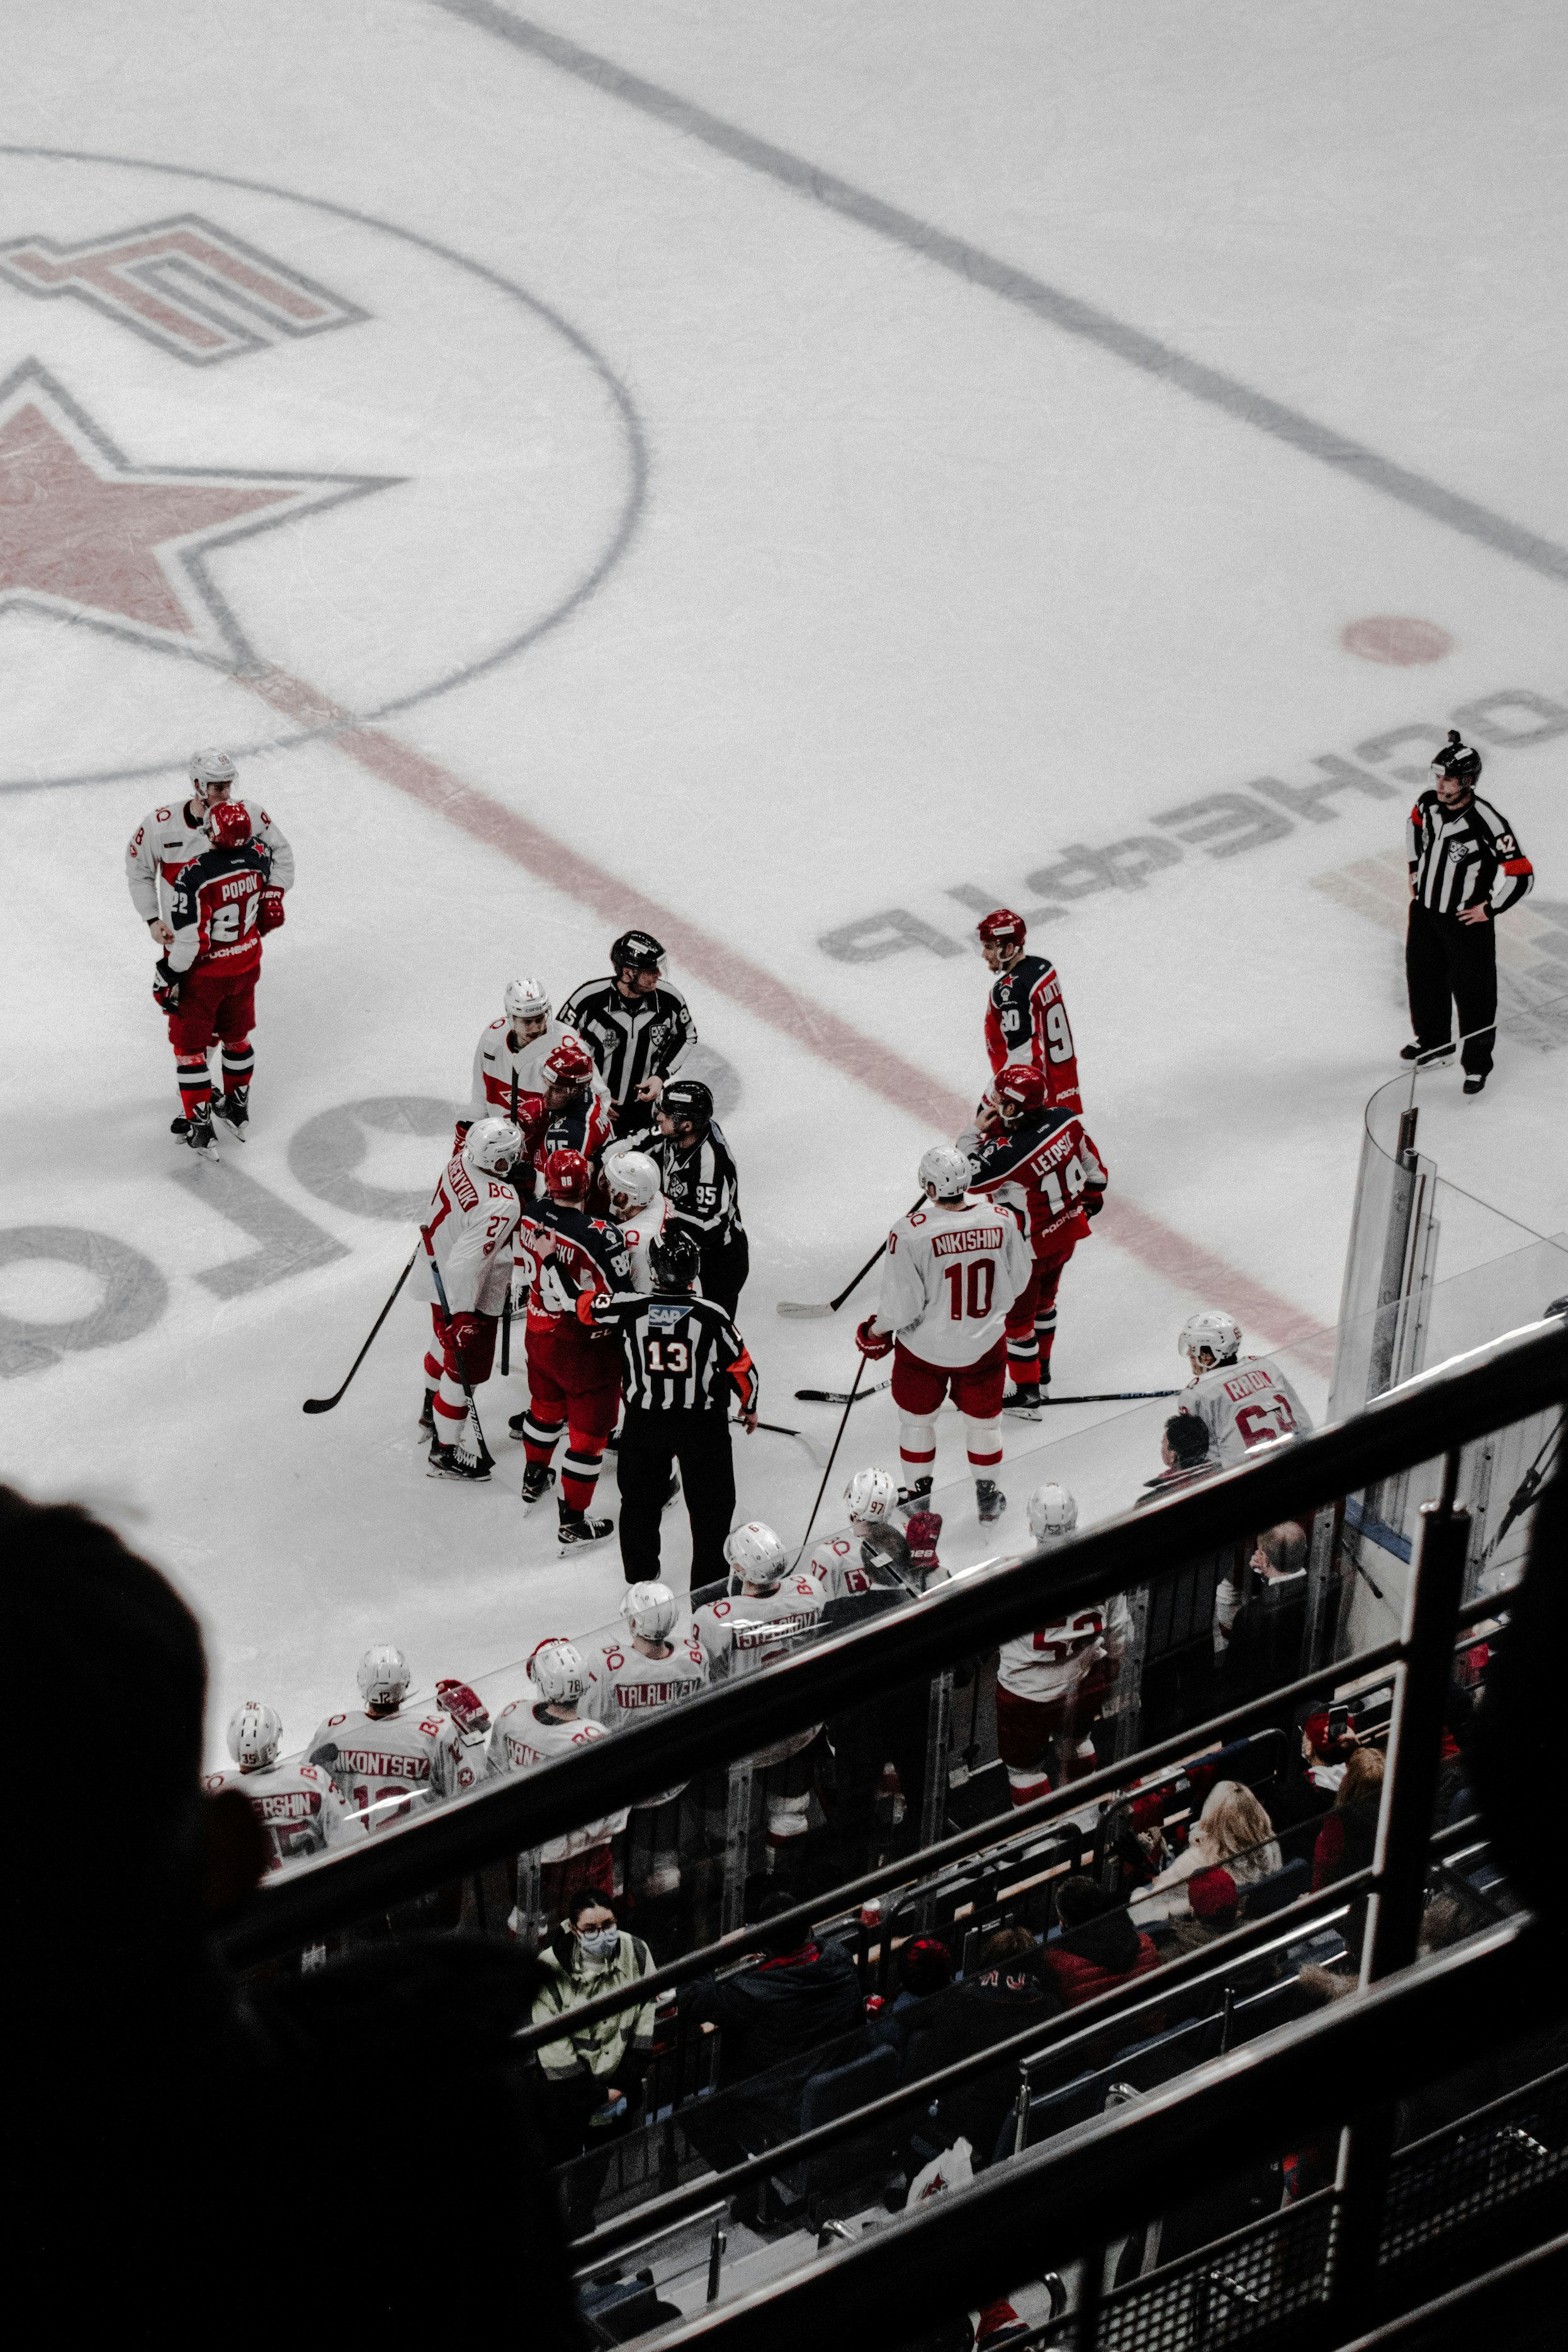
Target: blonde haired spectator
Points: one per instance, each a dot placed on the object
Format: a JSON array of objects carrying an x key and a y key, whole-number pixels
[{"x": 1233, "y": 1833}]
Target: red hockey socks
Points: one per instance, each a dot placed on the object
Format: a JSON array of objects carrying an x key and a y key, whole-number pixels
[
  {"x": 540, "y": 1437},
  {"x": 579, "y": 1475},
  {"x": 194, "y": 1083}
]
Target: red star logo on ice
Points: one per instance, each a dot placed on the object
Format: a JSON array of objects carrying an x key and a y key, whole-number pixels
[{"x": 91, "y": 538}]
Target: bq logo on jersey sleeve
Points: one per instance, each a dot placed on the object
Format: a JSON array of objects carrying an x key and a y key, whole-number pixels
[{"x": 413, "y": 471}]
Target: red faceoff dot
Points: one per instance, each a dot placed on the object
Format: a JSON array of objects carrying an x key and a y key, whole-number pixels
[{"x": 1385, "y": 637}]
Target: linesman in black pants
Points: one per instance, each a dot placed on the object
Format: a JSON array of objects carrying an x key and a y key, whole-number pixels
[
  {"x": 1465, "y": 869},
  {"x": 696, "y": 1175},
  {"x": 684, "y": 1361}
]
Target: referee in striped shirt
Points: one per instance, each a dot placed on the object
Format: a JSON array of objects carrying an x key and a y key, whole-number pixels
[
  {"x": 638, "y": 1028},
  {"x": 684, "y": 1360},
  {"x": 1465, "y": 869}
]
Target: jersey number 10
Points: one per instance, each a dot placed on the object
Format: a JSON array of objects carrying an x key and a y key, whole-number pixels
[{"x": 970, "y": 1289}]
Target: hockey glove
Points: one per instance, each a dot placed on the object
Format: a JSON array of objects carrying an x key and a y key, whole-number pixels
[
  {"x": 165, "y": 986},
  {"x": 872, "y": 1344},
  {"x": 458, "y": 1132},
  {"x": 466, "y": 1708},
  {"x": 271, "y": 918},
  {"x": 466, "y": 1332},
  {"x": 1092, "y": 1203}
]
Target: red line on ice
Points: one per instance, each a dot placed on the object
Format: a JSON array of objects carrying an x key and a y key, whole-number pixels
[{"x": 1142, "y": 1234}]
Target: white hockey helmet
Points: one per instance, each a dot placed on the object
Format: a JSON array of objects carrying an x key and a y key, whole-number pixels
[
  {"x": 632, "y": 1175},
  {"x": 493, "y": 1144},
  {"x": 1214, "y": 1329},
  {"x": 255, "y": 1734},
  {"x": 947, "y": 1171},
  {"x": 212, "y": 767},
  {"x": 756, "y": 1556},
  {"x": 525, "y": 1000},
  {"x": 557, "y": 1671},
  {"x": 383, "y": 1676},
  {"x": 872, "y": 1494},
  {"x": 650, "y": 1610},
  {"x": 1053, "y": 1512}
]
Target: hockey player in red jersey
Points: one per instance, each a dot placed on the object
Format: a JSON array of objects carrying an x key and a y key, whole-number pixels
[
  {"x": 574, "y": 1368},
  {"x": 1025, "y": 1020},
  {"x": 298, "y": 1806},
  {"x": 168, "y": 839},
  {"x": 953, "y": 1269},
  {"x": 471, "y": 1222},
  {"x": 576, "y": 1114},
  {"x": 1041, "y": 1161},
  {"x": 206, "y": 984}
]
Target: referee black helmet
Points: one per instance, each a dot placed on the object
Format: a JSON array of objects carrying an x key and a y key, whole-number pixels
[
  {"x": 672, "y": 1259},
  {"x": 1458, "y": 758},
  {"x": 639, "y": 950},
  {"x": 687, "y": 1099}
]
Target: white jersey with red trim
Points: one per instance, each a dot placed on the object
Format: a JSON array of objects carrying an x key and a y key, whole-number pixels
[
  {"x": 951, "y": 1273},
  {"x": 167, "y": 840},
  {"x": 627, "y": 1686},
  {"x": 752, "y": 1629},
  {"x": 500, "y": 1056},
  {"x": 389, "y": 1766},
  {"x": 838, "y": 1565},
  {"x": 524, "y": 1737},
  {"x": 299, "y": 1809},
  {"x": 1052, "y": 1662},
  {"x": 1246, "y": 1403},
  {"x": 643, "y": 1226},
  {"x": 471, "y": 1221}
]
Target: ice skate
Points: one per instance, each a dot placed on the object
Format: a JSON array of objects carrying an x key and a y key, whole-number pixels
[
  {"x": 577, "y": 1529},
  {"x": 916, "y": 1498},
  {"x": 234, "y": 1109},
  {"x": 1024, "y": 1400},
  {"x": 199, "y": 1137},
  {"x": 449, "y": 1462},
  {"x": 991, "y": 1500},
  {"x": 537, "y": 1480}
]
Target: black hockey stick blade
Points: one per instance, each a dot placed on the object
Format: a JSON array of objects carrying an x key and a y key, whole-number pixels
[
  {"x": 832, "y": 1306},
  {"x": 1110, "y": 1396},
  {"x": 325, "y": 1404},
  {"x": 813, "y": 1446},
  {"x": 840, "y": 1396}
]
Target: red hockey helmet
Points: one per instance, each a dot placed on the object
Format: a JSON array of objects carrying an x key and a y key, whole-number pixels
[
  {"x": 571, "y": 1065},
  {"x": 228, "y": 825},
  {"x": 568, "y": 1176},
  {"x": 1018, "y": 1088},
  {"x": 1002, "y": 926}
]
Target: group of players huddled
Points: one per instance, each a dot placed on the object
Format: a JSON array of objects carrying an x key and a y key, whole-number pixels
[{"x": 591, "y": 1189}]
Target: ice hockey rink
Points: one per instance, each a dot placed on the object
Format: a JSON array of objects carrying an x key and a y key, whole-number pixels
[{"x": 789, "y": 477}]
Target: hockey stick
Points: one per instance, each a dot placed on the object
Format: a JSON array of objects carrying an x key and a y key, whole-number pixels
[
  {"x": 813, "y": 1445},
  {"x": 795, "y": 1306},
  {"x": 838, "y": 1441},
  {"x": 325, "y": 1404},
  {"x": 506, "y": 1310},
  {"x": 842, "y": 1396},
  {"x": 1108, "y": 1396},
  {"x": 485, "y": 1456}
]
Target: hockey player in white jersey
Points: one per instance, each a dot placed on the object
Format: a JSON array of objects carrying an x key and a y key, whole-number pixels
[
  {"x": 296, "y": 1805},
  {"x": 1049, "y": 1682},
  {"x": 168, "y": 839},
  {"x": 657, "y": 1663},
  {"x": 471, "y": 1222},
  {"x": 846, "y": 1564},
  {"x": 387, "y": 1764},
  {"x": 953, "y": 1269},
  {"x": 1244, "y": 1401},
  {"x": 535, "y": 1729},
  {"x": 509, "y": 1059},
  {"x": 766, "y": 1615},
  {"x": 638, "y": 1207}
]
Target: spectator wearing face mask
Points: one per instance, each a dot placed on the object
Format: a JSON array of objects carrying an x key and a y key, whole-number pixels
[{"x": 593, "y": 2072}]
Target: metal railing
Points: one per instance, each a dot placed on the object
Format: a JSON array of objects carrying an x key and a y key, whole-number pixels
[{"x": 1523, "y": 1373}]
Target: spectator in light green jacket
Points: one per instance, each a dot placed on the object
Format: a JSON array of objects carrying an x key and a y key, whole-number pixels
[{"x": 592, "y": 2073}]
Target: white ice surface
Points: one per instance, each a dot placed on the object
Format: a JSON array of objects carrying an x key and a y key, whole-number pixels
[{"x": 922, "y": 594}]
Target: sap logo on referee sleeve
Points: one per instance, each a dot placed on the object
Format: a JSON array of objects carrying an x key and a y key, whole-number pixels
[{"x": 1220, "y": 824}]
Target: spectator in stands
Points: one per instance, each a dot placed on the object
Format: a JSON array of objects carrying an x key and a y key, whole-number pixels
[
  {"x": 1232, "y": 1832},
  {"x": 1264, "y": 1648},
  {"x": 1328, "y": 1743},
  {"x": 1187, "y": 1454},
  {"x": 1099, "y": 1947},
  {"x": 925, "y": 1968},
  {"x": 141, "y": 2053},
  {"x": 803, "y": 1993},
  {"x": 1456, "y": 1797},
  {"x": 1349, "y": 1833},
  {"x": 1213, "y": 1902},
  {"x": 1005, "y": 1992},
  {"x": 593, "y": 2072}
]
